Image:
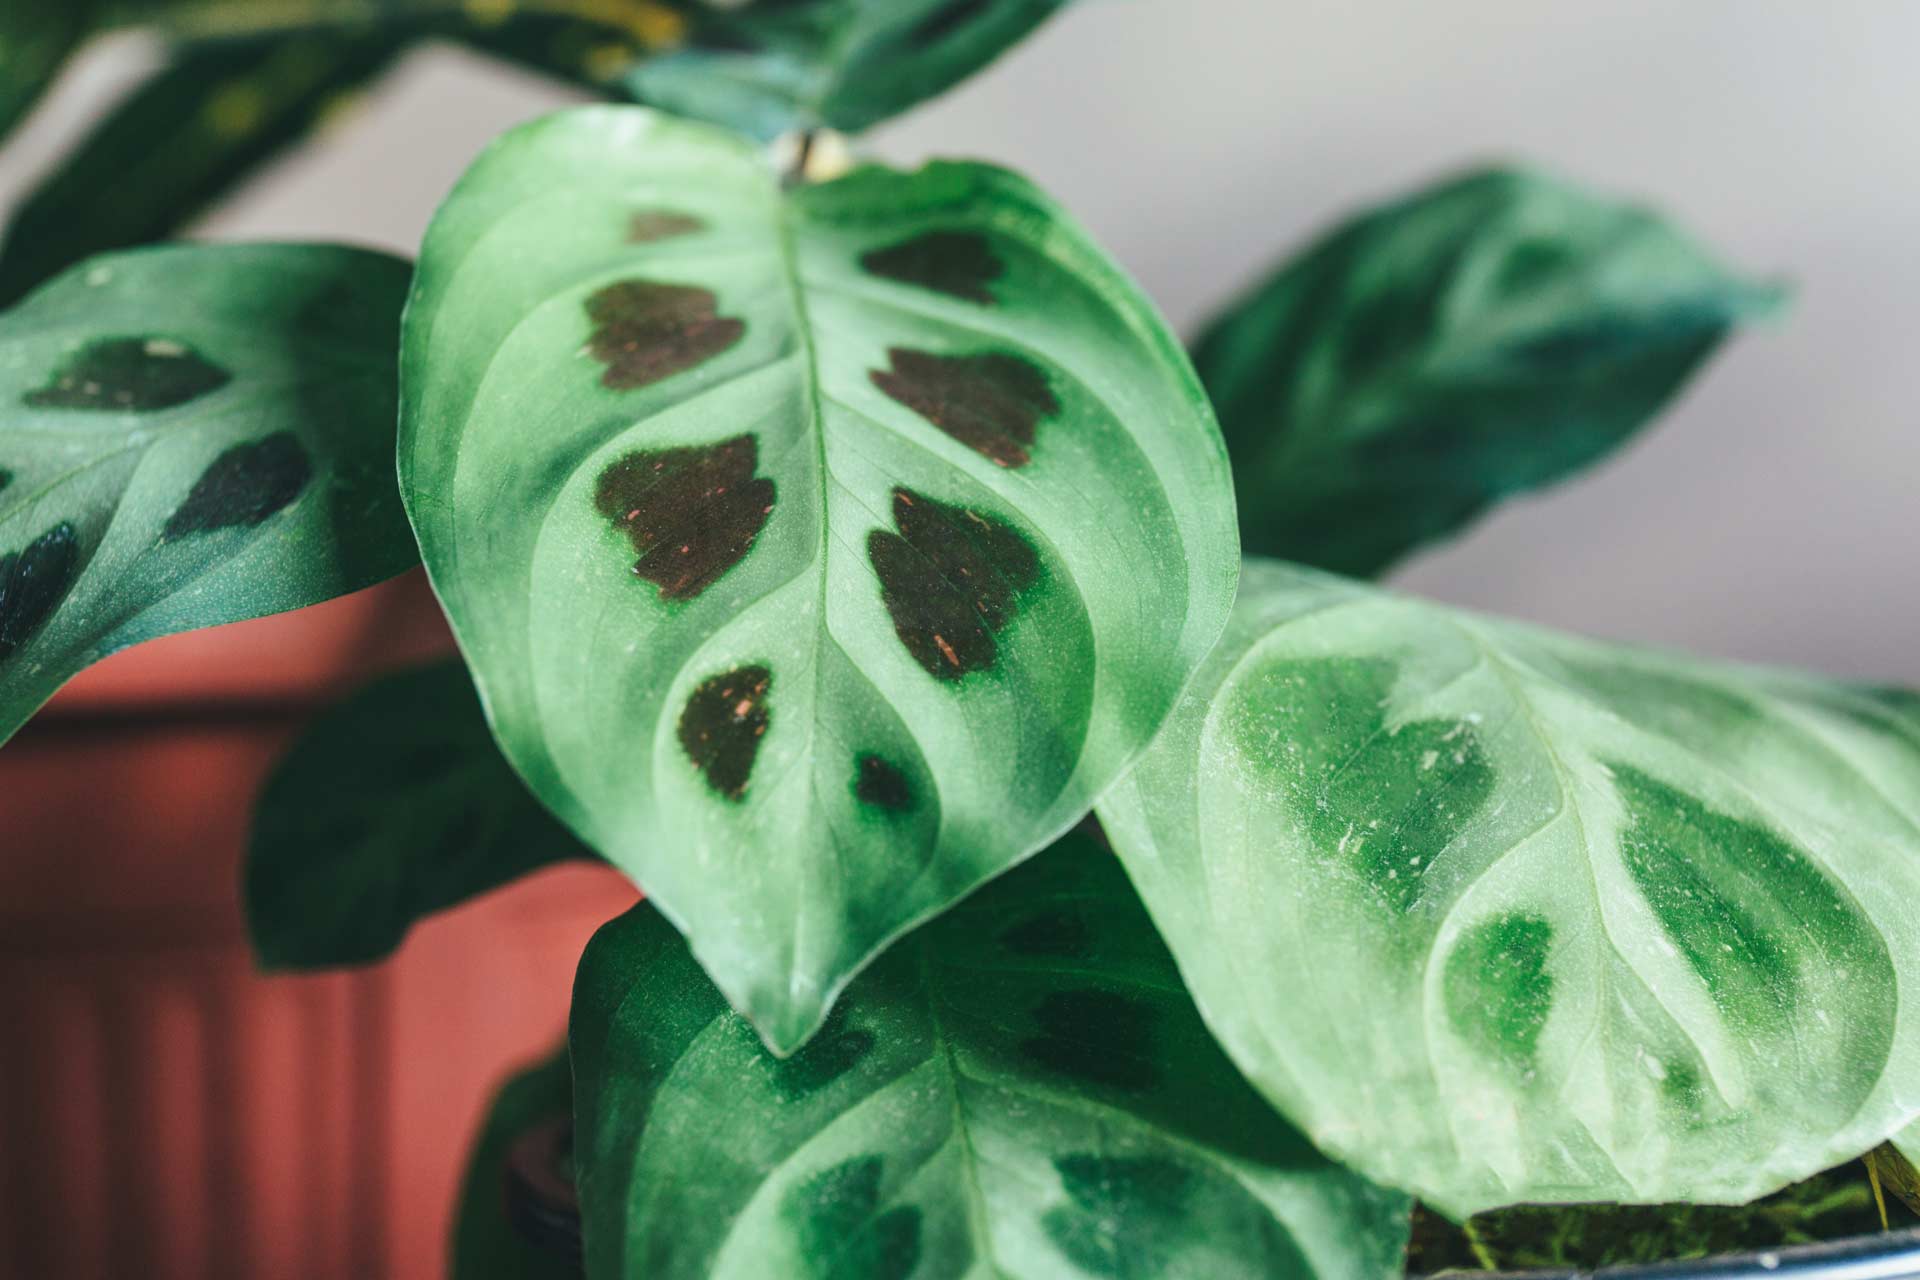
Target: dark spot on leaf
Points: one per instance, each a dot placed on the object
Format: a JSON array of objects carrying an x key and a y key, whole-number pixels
[
  {"x": 947, "y": 20},
  {"x": 721, "y": 728},
  {"x": 130, "y": 375},
  {"x": 33, "y": 582},
  {"x": 651, "y": 225},
  {"x": 960, "y": 264},
  {"x": 881, "y": 786},
  {"x": 1055, "y": 934},
  {"x": 243, "y": 486},
  {"x": 1499, "y": 991},
  {"x": 1127, "y": 1216},
  {"x": 950, "y": 578},
  {"x": 835, "y": 1050},
  {"x": 6, "y": 478},
  {"x": 645, "y": 332},
  {"x": 1101, "y": 1037},
  {"x": 691, "y": 514},
  {"x": 990, "y": 403},
  {"x": 841, "y": 1229}
]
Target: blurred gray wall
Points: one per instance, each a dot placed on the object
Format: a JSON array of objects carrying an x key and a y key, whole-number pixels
[{"x": 1772, "y": 515}]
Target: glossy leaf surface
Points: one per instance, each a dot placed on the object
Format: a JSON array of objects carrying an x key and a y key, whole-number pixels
[
  {"x": 180, "y": 141},
  {"x": 190, "y": 437},
  {"x": 393, "y": 805},
  {"x": 1435, "y": 355},
  {"x": 487, "y": 1243},
  {"x": 1021, "y": 1089},
  {"x": 819, "y": 555},
  {"x": 1500, "y": 915},
  {"x": 842, "y": 64}
]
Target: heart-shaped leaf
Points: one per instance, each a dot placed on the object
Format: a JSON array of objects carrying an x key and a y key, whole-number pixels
[
  {"x": 1499, "y": 915},
  {"x": 186, "y": 137},
  {"x": 1022, "y": 1089},
  {"x": 819, "y": 554},
  {"x": 189, "y": 437},
  {"x": 842, "y": 64},
  {"x": 1460, "y": 346},
  {"x": 394, "y": 805}
]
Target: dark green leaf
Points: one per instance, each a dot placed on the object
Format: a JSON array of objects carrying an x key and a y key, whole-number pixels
[
  {"x": 179, "y": 142},
  {"x": 393, "y": 806},
  {"x": 1020, "y": 1090},
  {"x": 841, "y": 64},
  {"x": 36, "y": 36},
  {"x": 189, "y": 437},
  {"x": 1499, "y": 915},
  {"x": 487, "y": 1243},
  {"x": 1436, "y": 355},
  {"x": 806, "y": 586}
]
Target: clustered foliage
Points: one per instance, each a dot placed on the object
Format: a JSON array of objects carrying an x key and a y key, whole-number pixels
[{"x": 1034, "y": 887}]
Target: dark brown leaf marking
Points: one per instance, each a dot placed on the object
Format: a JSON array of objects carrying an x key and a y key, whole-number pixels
[
  {"x": 880, "y": 785},
  {"x": 691, "y": 514},
  {"x": 991, "y": 403},
  {"x": 721, "y": 728},
  {"x": 950, "y": 579},
  {"x": 651, "y": 225},
  {"x": 644, "y": 331},
  {"x": 130, "y": 375},
  {"x": 960, "y": 264},
  {"x": 33, "y": 582},
  {"x": 243, "y": 486}
]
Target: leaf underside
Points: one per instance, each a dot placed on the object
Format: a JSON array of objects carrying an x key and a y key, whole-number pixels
[
  {"x": 819, "y": 555},
  {"x": 189, "y": 437},
  {"x": 1474, "y": 341},
  {"x": 1021, "y": 1090},
  {"x": 393, "y": 805},
  {"x": 1560, "y": 921}
]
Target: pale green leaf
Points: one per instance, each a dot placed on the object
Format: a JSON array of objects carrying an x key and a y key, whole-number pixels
[
  {"x": 1460, "y": 346},
  {"x": 189, "y": 437},
  {"x": 819, "y": 555},
  {"x": 1500, "y": 915},
  {"x": 393, "y": 805},
  {"x": 1020, "y": 1090}
]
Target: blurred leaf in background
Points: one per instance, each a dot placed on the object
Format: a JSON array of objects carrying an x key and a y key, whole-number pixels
[{"x": 1485, "y": 337}]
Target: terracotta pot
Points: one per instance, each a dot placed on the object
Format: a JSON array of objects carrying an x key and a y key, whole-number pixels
[{"x": 164, "y": 1110}]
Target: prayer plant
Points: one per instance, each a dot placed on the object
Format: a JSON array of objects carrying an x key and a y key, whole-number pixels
[{"x": 1035, "y": 887}]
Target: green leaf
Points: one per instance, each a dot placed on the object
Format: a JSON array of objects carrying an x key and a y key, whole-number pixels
[
  {"x": 36, "y": 37},
  {"x": 841, "y": 64},
  {"x": 188, "y": 437},
  {"x": 1436, "y": 355},
  {"x": 1022, "y": 1089},
  {"x": 487, "y": 1243},
  {"x": 819, "y": 555},
  {"x": 179, "y": 142},
  {"x": 1500, "y": 915},
  {"x": 394, "y": 805}
]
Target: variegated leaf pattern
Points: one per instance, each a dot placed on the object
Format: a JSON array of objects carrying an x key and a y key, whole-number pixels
[
  {"x": 1499, "y": 915},
  {"x": 818, "y": 554},
  {"x": 188, "y": 437},
  {"x": 1470, "y": 342},
  {"x": 1020, "y": 1090}
]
